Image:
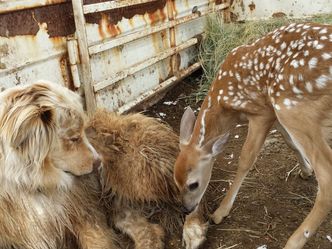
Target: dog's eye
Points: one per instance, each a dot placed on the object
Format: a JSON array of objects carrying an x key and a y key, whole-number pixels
[
  {"x": 193, "y": 186},
  {"x": 75, "y": 139}
]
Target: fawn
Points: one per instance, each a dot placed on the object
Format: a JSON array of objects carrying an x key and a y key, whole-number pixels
[{"x": 284, "y": 77}]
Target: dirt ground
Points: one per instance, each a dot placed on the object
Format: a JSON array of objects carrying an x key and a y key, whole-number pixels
[{"x": 273, "y": 200}]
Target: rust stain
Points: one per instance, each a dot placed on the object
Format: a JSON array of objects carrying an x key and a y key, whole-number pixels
[
  {"x": 65, "y": 72},
  {"x": 173, "y": 4},
  {"x": 58, "y": 40},
  {"x": 60, "y": 18},
  {"x": 107, "y": 29},
  {"x": 252, "y": 6},
  {"x": 113, "y": 30},
  {"x": 164, "y": 38},
  {"x": 34, "y": 5},
  {"x": 225, "y": 1},
  {"x": 157, "y": 16},
  {"x": 114, "y": 16},
  {"x": 278, "y": 15}
]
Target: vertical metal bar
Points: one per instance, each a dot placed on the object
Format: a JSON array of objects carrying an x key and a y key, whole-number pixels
[
  {"x": 85, "y": 57},
  {"x": 172, "y": 34}
]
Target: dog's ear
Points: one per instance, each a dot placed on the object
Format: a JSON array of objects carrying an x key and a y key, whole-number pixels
[{"x": 29, "y": 125}]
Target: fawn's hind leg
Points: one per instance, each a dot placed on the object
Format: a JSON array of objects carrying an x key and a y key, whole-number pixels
[
  {"x": 306, "y": 169},
  {"x": 95, "y": 235},
  {"x": 145, "y": 234},
  {"x": 306, "y": 133}
]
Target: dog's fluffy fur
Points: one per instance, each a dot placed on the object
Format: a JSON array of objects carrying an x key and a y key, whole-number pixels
[
  {"x": 43, "y": 150},
  {"x": 137, "y": 178}
]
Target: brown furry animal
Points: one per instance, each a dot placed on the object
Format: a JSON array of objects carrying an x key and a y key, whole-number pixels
[
  {"x": 138, "y": 155},
  {"x": 43, "y": 148}
]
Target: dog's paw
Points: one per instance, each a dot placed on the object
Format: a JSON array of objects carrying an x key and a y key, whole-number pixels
[{"x": 194, "y": 234}]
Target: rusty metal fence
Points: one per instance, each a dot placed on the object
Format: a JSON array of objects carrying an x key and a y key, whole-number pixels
[{"x": 117, "y": 53}]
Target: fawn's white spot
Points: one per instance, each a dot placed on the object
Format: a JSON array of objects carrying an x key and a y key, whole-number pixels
[
  {"x": 238, "y": 77},
  {"x": 321, "y": 81},
  {"x": 323, "y": 31},
  {"x": 294, "y": 63},
  {"x": 306, "y": 234},
  {"x": 277, "y": 107},
  {"x": 296, "y": 90},
  {"x": 309, "y": 87},
  {"x": 209, "y": 101},
  {"x": 202, "y": 130},
  {"x": 282, "y": 87},
  {"x": 326, "y": 56},
  {"x": 319, "y": 46},
  {"x": 291, "y": 79},
  {"x": 287, "y": 102},
  {"x": 312, "y": 62}
]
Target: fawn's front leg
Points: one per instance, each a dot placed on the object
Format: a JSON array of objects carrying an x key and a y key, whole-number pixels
[
  {"x": 194, "y": 229},
  {"x": 259, "y": 127}
]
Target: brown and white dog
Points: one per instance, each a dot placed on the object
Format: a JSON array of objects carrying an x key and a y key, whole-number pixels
[{"x": 43, "y": 150}]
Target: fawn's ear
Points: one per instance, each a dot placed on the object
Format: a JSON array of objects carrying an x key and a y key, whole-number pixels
[
  {"x": 216, "y": 145},
  {"x": 187, "y": 125}
]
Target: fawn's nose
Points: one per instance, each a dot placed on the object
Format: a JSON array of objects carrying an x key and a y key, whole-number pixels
[{"x": 185, "y": 210}]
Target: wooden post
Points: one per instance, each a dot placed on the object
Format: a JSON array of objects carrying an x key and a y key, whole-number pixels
[
  {"x": 85, "y": 57},
  {"x": 170, "y": 15}
]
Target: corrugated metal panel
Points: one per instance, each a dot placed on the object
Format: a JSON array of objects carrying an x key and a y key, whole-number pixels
[
  {"x": 33, "y": 42},
  {"x": 138, "y": 53}
]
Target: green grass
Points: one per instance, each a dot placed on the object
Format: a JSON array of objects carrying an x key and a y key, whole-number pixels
[{"x": 221, "y": 38}]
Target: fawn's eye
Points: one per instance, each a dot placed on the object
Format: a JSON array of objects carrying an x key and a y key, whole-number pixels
[{"x": 193, "y": 186}]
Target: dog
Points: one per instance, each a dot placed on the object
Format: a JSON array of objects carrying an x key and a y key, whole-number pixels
[{"x": 48, "y": 198}]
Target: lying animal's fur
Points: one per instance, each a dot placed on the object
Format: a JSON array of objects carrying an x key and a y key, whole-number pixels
[
  {"x": 43, "y": 150},
  {"x": 137, "y": 178}
]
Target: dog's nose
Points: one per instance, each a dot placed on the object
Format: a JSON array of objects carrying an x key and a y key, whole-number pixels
[{"x": 96, "y": 163}]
